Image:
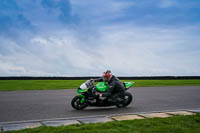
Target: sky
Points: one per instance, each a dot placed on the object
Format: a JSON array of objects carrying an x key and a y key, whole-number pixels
[{"x": 87, "y": 37}]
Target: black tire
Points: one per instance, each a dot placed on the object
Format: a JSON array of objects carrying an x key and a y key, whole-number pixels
[
  {"x": 76, "y": 103},
  {"x": 126, "y": 100}
]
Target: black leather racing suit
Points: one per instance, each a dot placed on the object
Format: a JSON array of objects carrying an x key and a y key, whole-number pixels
[{"x": 116, "y": 88}]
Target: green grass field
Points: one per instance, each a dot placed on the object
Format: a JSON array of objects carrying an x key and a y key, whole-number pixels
[
  {"x": 175, "y": 124},
  {"x": 9, "y": 85}
]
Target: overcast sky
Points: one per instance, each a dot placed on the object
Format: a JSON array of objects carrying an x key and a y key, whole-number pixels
[{"x": 86, "y": 37}]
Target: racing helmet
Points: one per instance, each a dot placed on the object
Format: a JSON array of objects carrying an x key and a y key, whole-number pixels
[{"x": 107, "y": 75}]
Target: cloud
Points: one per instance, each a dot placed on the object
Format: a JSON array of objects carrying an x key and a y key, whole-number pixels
[
  {"x": 153, "y": 50},
  {"x": 81, "y": 38},
  {"x": 96, "y": 11},
  {"x": 34, "y": 16},
  {"x": 125, "y": 49}
]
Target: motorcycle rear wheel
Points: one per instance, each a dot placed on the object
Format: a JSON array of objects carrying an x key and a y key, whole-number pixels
[
  {"x": 76, "y": 103},
  {"x": 126, "y": 100}
]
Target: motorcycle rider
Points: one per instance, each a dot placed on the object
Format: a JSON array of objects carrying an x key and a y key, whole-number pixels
[{"x": 116, "y": 87}]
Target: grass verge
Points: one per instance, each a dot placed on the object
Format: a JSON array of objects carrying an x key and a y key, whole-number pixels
[
  {"x": 175, "y": 124},
  {"x": 9, "y": 85}
]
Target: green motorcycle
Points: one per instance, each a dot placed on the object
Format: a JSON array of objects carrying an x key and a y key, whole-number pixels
[{"x": 88, "y": 95}]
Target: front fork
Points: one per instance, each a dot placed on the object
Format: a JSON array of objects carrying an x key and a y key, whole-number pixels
[{"x": 82, "y": 98}]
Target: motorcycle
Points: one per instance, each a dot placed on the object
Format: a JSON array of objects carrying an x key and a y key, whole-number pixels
[{"x": 88, "y": 95}]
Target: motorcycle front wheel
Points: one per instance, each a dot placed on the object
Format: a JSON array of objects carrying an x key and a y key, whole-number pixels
[
  {"x": 76, "y": 103},
  {"x": 126, "y": 100}
]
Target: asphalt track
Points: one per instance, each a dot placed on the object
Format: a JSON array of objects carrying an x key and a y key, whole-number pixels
[{"x": 50, "y": 104}]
